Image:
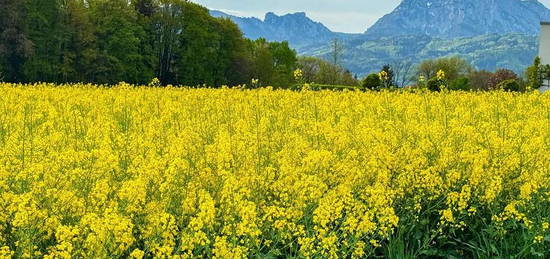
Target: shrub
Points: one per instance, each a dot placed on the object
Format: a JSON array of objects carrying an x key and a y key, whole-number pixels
[
  {"x": 372, "y": 82},
  {"x": 460, "y": 84},
  {"x": 500, "y": 76},
  {"x": 510, "y": 85},
  {"x": 435, "y": 84}
]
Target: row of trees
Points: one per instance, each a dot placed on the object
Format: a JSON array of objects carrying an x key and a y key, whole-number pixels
[
  {"x": 319, "y": 71},
  {"x": 108, "y": 41},
  {"x": 455, "y": 73},
  {"x": 538, "y": 75}
]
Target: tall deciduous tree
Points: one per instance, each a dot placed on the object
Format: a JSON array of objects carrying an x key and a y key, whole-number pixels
[
  {"x": 119, "y": 37},
  {"x": 233, "y": 49},
  {"x": 533, "y": 74},
  {"x": 168, "y": 25},
  {"x": 78, "y": 47},
  {"x": 108, "y": 41},
  {"x": 389, "y": 76},
  {"x": 284, "y": 63},
  {"x": 453, "y": 67},
  {"x": 40, "y": 23},
  {"x": 14, "y": 43},
  {"x": 262, "y": 63},
  {"x": 146, "y": 12},
  {"x": 319, "y": 71},
  {"x": 199, "y": 48}
]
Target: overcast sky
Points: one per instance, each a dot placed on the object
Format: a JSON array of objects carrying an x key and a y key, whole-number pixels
[{"x": 338, "y": 15}]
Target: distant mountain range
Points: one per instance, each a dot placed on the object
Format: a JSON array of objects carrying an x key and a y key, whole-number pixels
[
  {"x": 462, "y": 18},
  {"x": 296, "y": 28},
  {"x": 489, "y": 33}
]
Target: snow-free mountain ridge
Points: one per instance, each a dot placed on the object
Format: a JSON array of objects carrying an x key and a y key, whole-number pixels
[
  {"x": 489, "y": 33},
  {"x": 296, "y": 28},
  {"x": 462, "y": 18}
]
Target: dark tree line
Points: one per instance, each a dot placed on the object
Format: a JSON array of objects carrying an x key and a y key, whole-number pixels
[{"x": 108, "y": 41}]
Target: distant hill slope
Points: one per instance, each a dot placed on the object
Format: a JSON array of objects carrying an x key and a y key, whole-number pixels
[
  {"x": 366, "y": 55},
  {"x": 462, "y": 18}
]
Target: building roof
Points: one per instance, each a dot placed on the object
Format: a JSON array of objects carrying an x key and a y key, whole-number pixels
[{"x": 544, "y": 23}]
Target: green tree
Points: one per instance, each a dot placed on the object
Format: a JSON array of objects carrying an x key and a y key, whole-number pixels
[
  {"x": 168, "y": 24},
  {"x": 460, "y": 84},
  {"x": 78, "y": 43},
  {"x": 510, "y": 85},
  {"x": 499, "y": 76},
  {"x": 198, "y": 53},
  {"x": 119, "y": 37},
  {"x": 211, "y": 50},
  {"x": 454, "y": 68},
  {"x": 146, "y": 8},
  {"x": 388, "y": 78},
  {"x": 45, "y": 29},
  {"x": 107, "y": 41},
  {"x": 63, "y": 40},
  {"x": 372, "y": 82},
  {"x": 234, "y": 48},
  {"x": 348, "y": 79},
  {"x": 545, "y": 71},
  {"x": 146, "y": 12},
  {"x": 15, "y": 45},
  {"x": 262, "y": 61},
  {"x": 319, "y": 71},
  {"x": 438, "y": 82},
  {"x": 435, "y": 84},
  {"x": 273, "y": 63},
  {"x": 533, "y": 74},
  {"x": 309, "y": 67},
  {"x": 328, "y": 74}
]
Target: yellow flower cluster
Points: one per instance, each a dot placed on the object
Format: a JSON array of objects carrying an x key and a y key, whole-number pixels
[
  {"x": 298, "y": 74},
  {"x": 440, "y": 75},
  {"x": 383, "y": 75},
  {"x": 96, "y": 172}
]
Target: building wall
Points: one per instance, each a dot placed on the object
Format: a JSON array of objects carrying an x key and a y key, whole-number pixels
[
  {"x": 544, "y": 46},
  {"x": 544, "y": 50}
]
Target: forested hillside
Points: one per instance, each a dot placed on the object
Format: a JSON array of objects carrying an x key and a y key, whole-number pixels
[
  {"x": 489, "y": 52},
  {"x": 108, "y": 41}
]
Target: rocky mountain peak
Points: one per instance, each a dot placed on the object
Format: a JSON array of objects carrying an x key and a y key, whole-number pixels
[
  {"x": 296, "y": 28},
  {"x": 462, "y": 18}
]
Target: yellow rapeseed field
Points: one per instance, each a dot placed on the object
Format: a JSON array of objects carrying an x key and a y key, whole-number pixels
[{"x": 96, "y": 172}]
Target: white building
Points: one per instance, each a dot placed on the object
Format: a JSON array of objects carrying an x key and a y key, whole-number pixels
[{"x": 544, "y": 47}]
